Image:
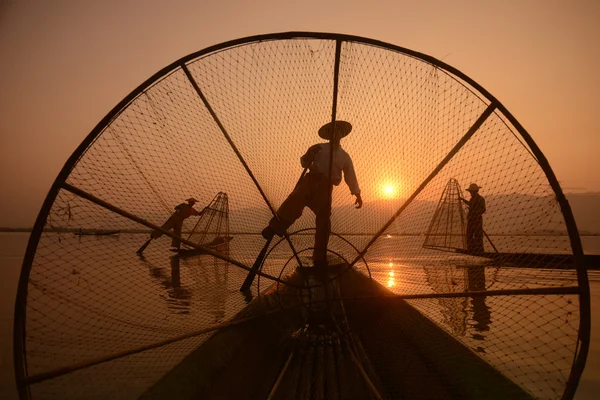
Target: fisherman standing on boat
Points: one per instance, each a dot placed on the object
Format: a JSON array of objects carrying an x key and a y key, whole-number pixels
[
  {"x": 175, "y": 222},
  {"x": 476, "y": 206},
  {"x": 312, "y": 190}
]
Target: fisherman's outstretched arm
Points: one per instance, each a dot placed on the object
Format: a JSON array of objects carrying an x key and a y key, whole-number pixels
[
  {"x": 352, "y": 182},
  {"x": 205, "y": 209}
]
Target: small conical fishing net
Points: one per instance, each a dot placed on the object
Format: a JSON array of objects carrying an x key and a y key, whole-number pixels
[
  {"x": 212, "y": 228},
  {"x": 448, "y": 225},
  {"x": 399, "y": 311}
]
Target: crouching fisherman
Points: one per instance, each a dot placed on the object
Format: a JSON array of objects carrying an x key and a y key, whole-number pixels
[{"x": 175, "y": 223}]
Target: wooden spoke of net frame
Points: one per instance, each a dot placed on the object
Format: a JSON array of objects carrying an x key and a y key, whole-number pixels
[
  {"x": 237, "y": 153},
  {"x": 544, "y": 291},
  {"x": 57, "y": 372},
  {"x": 336, "y": 78}
]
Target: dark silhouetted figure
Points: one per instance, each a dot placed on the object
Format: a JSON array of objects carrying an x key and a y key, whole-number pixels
[
  {"x": 476, "y": 206},
  {"x": 312, "y": 190},
  {"x": 175, "y": 222}
]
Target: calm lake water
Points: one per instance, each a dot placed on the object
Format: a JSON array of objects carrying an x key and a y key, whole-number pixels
[{"x": 475, "y": 323}]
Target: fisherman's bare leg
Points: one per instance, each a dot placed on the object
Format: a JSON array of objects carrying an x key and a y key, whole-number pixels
[
  {"x": 469, "y": 237},
  {"x": 475, "y": 236},
  {"x": 323, "y": 222},
  {"x": 319, "y": 205},
  {"x": 177, "y": 231},
  {"x": 478, "y": 238},
  {"x": 290, "y": 210},
  {"x": 168, "y": 225}
]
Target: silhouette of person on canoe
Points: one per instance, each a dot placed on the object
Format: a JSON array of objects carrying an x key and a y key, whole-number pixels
[{"x": 312, "y": 189}]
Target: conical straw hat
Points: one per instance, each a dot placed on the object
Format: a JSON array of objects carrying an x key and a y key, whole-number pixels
[{"x": 342, "y": 129}]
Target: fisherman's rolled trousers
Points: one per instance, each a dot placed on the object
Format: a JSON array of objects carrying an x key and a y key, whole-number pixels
[
  {"x": 475, "y": 234},
  {"x": 175, "y": 222},
  {"x": 312, "y": 192}
]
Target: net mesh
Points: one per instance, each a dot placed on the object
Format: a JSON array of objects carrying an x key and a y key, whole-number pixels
[
  {"x": 447, "y": 229},
  {"x": 212, "y": 228},
  {"x": 102, "y": 321}
]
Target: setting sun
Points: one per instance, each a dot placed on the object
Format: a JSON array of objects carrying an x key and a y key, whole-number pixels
[{"x": 389, "y": 190}]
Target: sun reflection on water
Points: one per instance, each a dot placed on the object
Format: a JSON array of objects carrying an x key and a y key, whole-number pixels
[{"x": 391, "y": 280}]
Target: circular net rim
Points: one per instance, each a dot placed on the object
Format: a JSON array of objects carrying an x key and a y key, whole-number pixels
[{"x": 474, "y": 87}]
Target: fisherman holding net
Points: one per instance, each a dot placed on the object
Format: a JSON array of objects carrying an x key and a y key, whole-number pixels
[
  {"x": 175, "y": 222},
  {"x": 476, "y": 206},
  {"x": 312, "y": 190}
]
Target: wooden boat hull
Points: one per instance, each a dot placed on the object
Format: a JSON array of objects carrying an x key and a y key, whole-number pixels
[{"x": 402, "y": 353}]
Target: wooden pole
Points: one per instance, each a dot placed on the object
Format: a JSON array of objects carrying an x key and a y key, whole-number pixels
[
  {"x": 490, "y": 240},
  {"x": 261, "y": 256},
  {"x": 143, "y": 247},
  {"x": 255, "y": 267},
  {"x": 36, "y": 378},
  {"x": 236, "y": 151},
  {"x": 280, "y": 377}
]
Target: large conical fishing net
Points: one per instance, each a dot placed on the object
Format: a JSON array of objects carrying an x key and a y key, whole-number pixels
[
  {"x": 447, "y": 230},
  {"x": 391, "y": 317},
  {"x": 212, "y": 228}
]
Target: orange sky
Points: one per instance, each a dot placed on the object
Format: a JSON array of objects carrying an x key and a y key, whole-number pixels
[{"x": 65, "y": 64}]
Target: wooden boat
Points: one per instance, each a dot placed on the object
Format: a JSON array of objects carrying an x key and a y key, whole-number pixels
[
  {"x": 220, "y": 244},
  {"x": 326, "y": 350}
]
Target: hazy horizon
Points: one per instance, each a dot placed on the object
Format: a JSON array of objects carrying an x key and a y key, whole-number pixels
[{"x": 588, "y": 225}]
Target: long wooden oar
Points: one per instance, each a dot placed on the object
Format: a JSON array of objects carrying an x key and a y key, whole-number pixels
[
  {"x": 490, "y": 240},
  {"x": 141, "y": 249},
  {"x": 259, "y": 260},
  {"x": 255, "y": 267}
]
